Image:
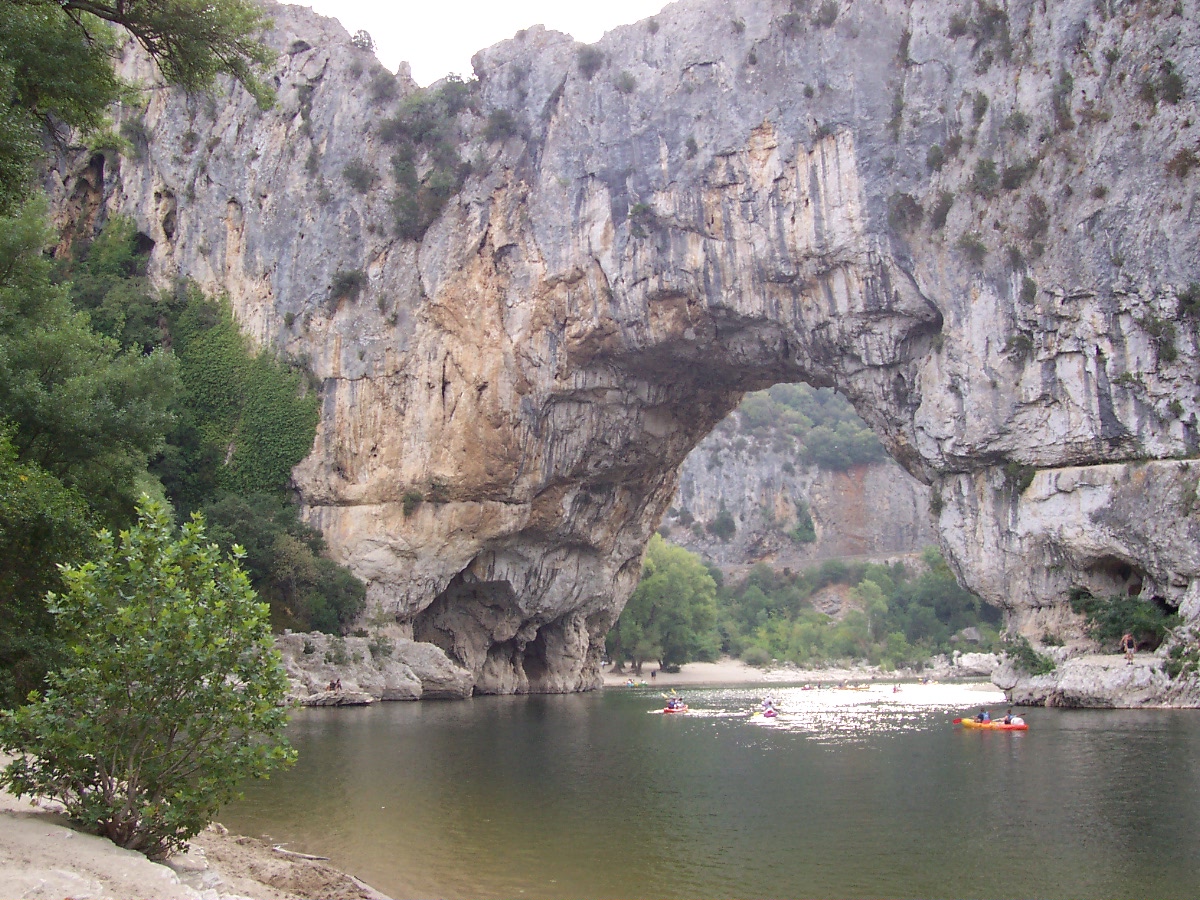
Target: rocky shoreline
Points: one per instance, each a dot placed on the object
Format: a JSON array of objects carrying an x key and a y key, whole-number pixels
[
  {"x": 1096, "y": 681},
  {"x": 325, "y": 670}
]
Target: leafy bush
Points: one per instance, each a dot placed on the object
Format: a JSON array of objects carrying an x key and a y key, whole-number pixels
[
  {"x": 972, "y": 245},
  {"x": 979, "y": 107},
  {"x": 501, "y": 124},
  {"x": 1108, "y": 618},
  {"x": 904, "y": 212},
  {"x": 283, "y": 557},
  {"x": 1060, "y": 101},
  {"x": 941, "y": 209},
  {"x": 985, "y": 179},
  {"x": 1017, "y": 174},
  {"x": 935, "y": 158},
  {"x": 723, "y": 525},
  {"x": 172, "y": 695},
  {"x": 412, "y": 499},
  {"x": 1189, "y": 300},
  {"x": 1182, "y": 163},
  {"x": 359, "y": 175},
  {"x": 827, "y": 14},
  {"x": 426, "y": 133},
  {"x": 1183, "y": 659},
  {"x": 756, "y": 656},
  {"x": 347, "y": 284},
  {"x": 1019, "y": 476},
  {"x": 805, "y": 531},
  {"x": 829, "y": 432},
  {"x": 590, "y": 60},
  {"x": 1029, "y": 290},
  {"x": 383, "y": 86},
  {"x": 1025, "y": 659}
]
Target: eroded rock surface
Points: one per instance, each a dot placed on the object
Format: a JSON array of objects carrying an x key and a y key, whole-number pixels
[{"x": 742, "y": 195}]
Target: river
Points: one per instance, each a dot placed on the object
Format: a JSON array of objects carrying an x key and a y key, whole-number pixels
[{"x": 847, "y": 794}]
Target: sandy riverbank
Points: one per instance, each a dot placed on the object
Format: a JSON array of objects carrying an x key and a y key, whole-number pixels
[
  {"x": 733, "y": 671},
  {"x": 42, "y": 857}
]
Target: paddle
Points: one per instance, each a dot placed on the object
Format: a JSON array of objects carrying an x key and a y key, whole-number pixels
[{"x": 955, "y": 721}]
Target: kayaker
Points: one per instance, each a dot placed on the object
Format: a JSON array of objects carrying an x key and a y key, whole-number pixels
[
  {"x": 768, "y": 703},
  {"x": 1008, "y": 717},
  {"x": 984, "y": 716}
]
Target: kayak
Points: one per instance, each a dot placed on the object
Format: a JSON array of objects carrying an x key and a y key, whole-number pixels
[
  {"x": 763, "y": 714},
  {"x": 994, "y": 726},
  {"x": 677, "y": 709}
]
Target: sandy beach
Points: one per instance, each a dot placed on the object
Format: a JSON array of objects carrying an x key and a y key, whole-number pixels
[{"x": 733, "y": 671}]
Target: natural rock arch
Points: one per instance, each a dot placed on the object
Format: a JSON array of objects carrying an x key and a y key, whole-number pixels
[{"x": 739, "y": 197}]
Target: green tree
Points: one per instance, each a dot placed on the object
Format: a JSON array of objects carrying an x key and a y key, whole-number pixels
[
  {"x": 283, "y": 558},
  {"x": 171, "y": 695},
  {"x": 86, "y": 412},
  {"x": 42, "y": 524},
  {"x": 672, "y": 614}
]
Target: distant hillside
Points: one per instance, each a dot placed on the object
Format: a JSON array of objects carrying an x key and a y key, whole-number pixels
[{"x": 794, "y": 476}]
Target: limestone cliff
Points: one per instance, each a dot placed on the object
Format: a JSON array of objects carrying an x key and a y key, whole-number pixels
[
  {"x": 975, "y": 219},
  {"x": 872, "y": 511}
]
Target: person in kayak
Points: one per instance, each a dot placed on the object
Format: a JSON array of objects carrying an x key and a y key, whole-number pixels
[
  {"x": 767, "y": 703},
  {"x": 984, "y": 716},
  {"x": 1008, "y": 717}
]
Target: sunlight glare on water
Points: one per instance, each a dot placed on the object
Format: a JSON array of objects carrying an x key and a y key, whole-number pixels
[{"x": 839, "y": 716}]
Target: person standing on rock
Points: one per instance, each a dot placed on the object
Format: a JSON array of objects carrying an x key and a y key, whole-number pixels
[{"x": 1128, "y": 645}]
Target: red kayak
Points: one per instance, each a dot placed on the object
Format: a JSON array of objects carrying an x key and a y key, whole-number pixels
[{"x": 677, "y": 709}]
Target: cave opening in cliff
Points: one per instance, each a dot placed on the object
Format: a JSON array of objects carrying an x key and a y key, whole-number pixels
[
  {"x": 467, "y": 617},
  {"x": 1109, "y": 576}
]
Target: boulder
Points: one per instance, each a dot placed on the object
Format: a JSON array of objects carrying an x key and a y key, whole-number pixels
[{"x": 378, "y": 667}]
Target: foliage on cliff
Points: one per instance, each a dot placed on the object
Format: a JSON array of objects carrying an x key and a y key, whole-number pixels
[
  {"x": 170, "y": 697},
  {"x": 895, "y": 618},
  {"x": 1109, "y": 618},
  {"x": 819, "y": 423},
  {"x": 243, "y": 420}
]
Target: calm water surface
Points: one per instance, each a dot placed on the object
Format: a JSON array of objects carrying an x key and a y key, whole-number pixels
[{"x": 848, "y": 794}]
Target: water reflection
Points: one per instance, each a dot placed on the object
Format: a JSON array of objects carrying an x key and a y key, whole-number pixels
[{"x": 847, "y": 793}]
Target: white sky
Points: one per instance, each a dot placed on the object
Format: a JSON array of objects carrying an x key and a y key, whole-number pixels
[{"x": 438, "y": 38}]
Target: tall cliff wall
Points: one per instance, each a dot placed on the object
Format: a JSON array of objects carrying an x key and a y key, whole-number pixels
[
  {"x": 871, "y": 511},
  {"x": 744, "y": 194}
]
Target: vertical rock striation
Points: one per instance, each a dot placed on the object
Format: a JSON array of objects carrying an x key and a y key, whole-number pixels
[{"x": 747, "y": 194}]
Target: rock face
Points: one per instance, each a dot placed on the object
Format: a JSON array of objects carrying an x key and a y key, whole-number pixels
[
  {"x": 368, "y": 669},
  {"x": 875, "y": 511},
  {"x": 1099, "y": 682},
  {"x": 976, "y": 221}
]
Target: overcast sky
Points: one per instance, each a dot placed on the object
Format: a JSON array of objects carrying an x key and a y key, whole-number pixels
[{"x": 439, "y": 36}]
